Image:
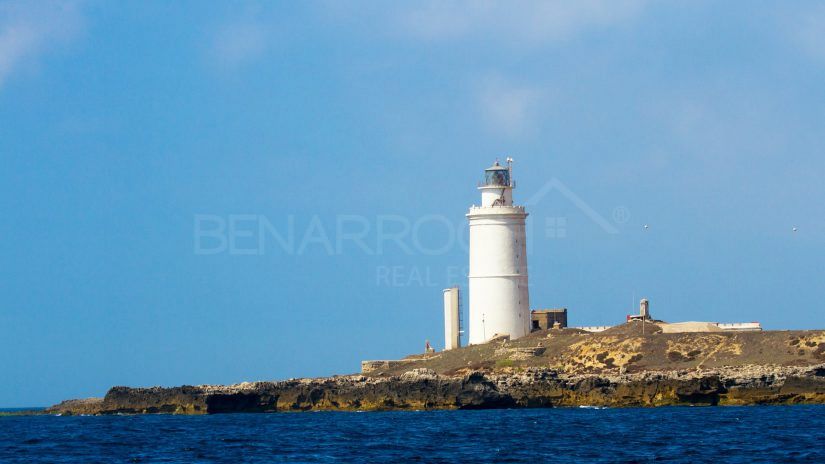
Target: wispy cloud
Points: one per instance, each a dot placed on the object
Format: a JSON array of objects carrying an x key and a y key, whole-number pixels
[
  {"x": 722, "y": 126},
  {"x": 807, "y": 28},
  {"x": 29, "y": 29},
  {"x": 239, "y": 43},
  {"x": 508, "y": 108},
  {"x": 529, "y": 20}
]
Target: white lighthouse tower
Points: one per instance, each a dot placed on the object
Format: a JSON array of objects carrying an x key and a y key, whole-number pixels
[{"x": 499, "y": 298}]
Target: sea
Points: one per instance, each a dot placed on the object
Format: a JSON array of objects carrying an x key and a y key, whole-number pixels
[{"x": 672, "y": 434}]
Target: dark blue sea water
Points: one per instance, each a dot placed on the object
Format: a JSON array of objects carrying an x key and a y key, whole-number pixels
[{"x": 725, "y": 434}]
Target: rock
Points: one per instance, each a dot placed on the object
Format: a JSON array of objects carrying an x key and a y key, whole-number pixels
[
  {"x": 419, "y": 374},
  {"x": 423, "y": 389},
  {"x": 570, "y": 369},
  {"x": 80, "y": 406}
]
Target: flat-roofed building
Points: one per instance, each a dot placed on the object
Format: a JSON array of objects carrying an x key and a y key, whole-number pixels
[{"x": 544, "y": 319}]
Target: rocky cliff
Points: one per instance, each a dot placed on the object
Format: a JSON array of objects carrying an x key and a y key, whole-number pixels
[
  {"x": 557, "y": 368},
  {"x": 424, "y": 389}
]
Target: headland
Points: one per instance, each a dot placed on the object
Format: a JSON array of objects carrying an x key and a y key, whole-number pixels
[{"x": 619, "y": 367}]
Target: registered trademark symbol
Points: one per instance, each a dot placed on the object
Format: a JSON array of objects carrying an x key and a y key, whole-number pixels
[{"x": 621, "y": 215}]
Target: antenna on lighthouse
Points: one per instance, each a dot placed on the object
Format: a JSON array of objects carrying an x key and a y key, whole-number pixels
[{"x": 510, "y": 169}]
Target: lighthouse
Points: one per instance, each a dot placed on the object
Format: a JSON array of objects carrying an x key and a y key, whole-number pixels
[{"x": 499, "y": 297}]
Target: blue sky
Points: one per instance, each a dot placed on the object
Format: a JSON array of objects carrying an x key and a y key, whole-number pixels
[{"x": 131, "y": 133}]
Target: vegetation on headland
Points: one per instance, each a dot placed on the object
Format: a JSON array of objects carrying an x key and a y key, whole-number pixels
[{"x": 557, "y": 368}]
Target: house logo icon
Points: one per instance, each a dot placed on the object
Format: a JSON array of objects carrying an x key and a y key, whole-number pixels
[{"x": 556, "y": 227}]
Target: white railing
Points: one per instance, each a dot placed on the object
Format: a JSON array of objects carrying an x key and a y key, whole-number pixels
[
  {"x": 594, "y": 328},
  {"x": 483, "y": 183},
  {"x": 739, "y": 325},
  {"x": 519, "y": 208}
]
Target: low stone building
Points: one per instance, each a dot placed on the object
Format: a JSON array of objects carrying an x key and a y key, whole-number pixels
[
  {"x": 544, "y": 319},
  {"x": 371, "y": 366}
]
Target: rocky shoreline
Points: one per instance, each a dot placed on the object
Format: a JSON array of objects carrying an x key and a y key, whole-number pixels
[
  {"x": 422, "y": 388},
  {"x": 626, "y": 366}
]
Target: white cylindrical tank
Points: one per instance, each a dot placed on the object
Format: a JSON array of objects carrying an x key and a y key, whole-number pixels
[
  {"x": 499, "y": 296},
  {"x": 452, "y": 326}
]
